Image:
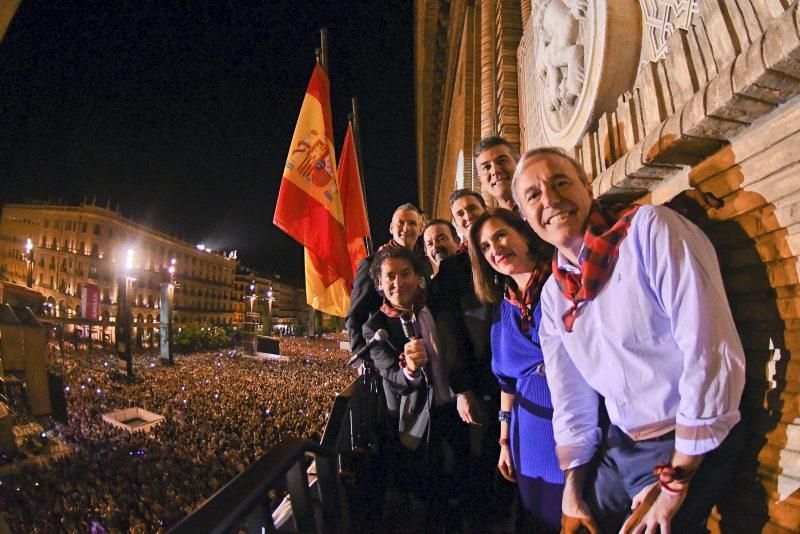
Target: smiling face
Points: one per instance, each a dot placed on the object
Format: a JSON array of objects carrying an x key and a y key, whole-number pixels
[
  {"x": 465, "y": 211},
  {"x": 399, "y": 282},
  {"x": 439, "y": 242},
  {"x": 504, "y": 248},
  {"x": 555, "y": 200},
  {"x": 496, "y": 168},
  {"x": 405, "y": 227}
]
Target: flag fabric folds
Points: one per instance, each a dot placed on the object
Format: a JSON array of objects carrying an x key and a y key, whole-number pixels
[
  {"x": 333, "y": 299},
  {"x": 355, "y": 212},
  {"x": 309, "y": 206}
]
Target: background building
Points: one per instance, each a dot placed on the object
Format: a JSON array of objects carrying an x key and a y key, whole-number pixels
[
  {"x": 74, "y": 246},
  {"x": 654, "y": 97},
  {"x": 281, "y": 306}
]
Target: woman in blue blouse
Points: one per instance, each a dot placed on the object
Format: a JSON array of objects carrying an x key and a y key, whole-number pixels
[{"x": 509, "y": 266}]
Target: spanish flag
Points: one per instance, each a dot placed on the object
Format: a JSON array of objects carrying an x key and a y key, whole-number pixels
[
  {"x": 309, "y": 205},
  {"x": 355, "y": 211}
]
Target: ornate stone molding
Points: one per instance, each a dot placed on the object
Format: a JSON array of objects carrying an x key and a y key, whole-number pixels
[
  {"x": 661, "y": 18},
  {"x": 576, "y": 58},
  {"x": 762, "y": 77}
]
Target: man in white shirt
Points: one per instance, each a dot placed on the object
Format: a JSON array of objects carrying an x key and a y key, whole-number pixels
[{"x": 634, "y": 314}]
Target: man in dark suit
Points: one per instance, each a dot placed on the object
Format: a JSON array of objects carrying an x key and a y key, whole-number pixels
[
  {"x": 405, "y": 229},
  {"x": 416, "y": 376},
  {"x": 451, "y": 284}
]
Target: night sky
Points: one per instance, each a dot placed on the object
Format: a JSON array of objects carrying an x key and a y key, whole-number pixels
[{"x": 182, "y": 112}]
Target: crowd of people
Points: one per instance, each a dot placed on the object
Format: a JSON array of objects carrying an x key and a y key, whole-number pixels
[{"x": 221, "y": 411}]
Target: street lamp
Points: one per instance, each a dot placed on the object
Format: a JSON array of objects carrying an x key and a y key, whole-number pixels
[
  {"x": 270, "y": 298},
  {"x": 165, "y": 327},
  {"x": 29, "y": 262},
  {"x": 171, "y": 269},
  {"x": 124, "y": 315}
]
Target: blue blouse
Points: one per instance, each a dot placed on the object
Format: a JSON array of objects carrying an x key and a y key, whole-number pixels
[{"x": 518, "y": 364}]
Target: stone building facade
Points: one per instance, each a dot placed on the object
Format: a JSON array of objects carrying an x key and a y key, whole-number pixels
[
  {"x": 78, "y": 245},
  {"x": 654, "y": 97}
]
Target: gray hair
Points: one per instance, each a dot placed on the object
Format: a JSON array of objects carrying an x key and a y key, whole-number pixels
[{"x": 540, "y": 151}]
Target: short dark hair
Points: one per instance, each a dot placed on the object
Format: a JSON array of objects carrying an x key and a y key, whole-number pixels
[
  {"x": 384, "y": 254},
  {"x": 485, "y": 143},
  {"x": 434, "y": 222},
  {"x": 489, "y": 285},
  {"x": 466, "y": 192}
]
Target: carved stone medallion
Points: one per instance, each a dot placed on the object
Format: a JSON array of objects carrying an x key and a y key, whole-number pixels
[{"x": 576, "y": 58}]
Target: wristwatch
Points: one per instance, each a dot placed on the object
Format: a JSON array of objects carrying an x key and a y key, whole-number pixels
[{"x": 504, "y": 416}]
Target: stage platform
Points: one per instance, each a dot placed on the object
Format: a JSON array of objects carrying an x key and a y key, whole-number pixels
[{"x": 133, "y": 419}]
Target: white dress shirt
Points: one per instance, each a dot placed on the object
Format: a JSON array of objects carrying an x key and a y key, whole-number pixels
[{"x": 658, "y": 343}]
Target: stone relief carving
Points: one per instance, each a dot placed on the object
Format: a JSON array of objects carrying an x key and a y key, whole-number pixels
[
  {"x": 575, "y": 58},
  {"x": 661, "y": 18},
  {"x": 560, "y": 55}
]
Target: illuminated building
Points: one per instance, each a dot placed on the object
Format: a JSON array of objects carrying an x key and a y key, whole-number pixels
[
  {"x": 273, "y": 299},
  {"x": 78, "y": 245}
]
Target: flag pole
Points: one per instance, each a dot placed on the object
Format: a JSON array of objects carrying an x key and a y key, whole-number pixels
[
  {"x": 322, "y": 59},
  {"x": 323, "y": 49},
  {"x": 359, "y": 161}
]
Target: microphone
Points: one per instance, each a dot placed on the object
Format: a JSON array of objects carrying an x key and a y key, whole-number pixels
[
  {"x": 410, "y": 331},
  {"x": 380, "y": 335},
  {"x": 407, "y": 322}
]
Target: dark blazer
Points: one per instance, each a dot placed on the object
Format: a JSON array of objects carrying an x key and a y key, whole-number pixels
[
  {"x": 364, "y": 300},
  {"x": 452, "y": 300},
  {"x": 408, "y": 401}
]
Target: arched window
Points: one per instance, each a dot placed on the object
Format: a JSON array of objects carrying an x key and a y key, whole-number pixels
[{"x": 460, "y": 170}]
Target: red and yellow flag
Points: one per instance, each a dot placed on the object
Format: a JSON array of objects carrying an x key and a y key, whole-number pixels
[
  {"x": 309, "y": 205},
  {"x": 355, "y": 212}
]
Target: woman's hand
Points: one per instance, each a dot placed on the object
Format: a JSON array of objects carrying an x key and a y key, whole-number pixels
[{"x": 504, "y": 463}]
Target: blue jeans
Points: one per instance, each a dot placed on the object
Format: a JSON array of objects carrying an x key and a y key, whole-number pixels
[{"x": 624, "y": 467}]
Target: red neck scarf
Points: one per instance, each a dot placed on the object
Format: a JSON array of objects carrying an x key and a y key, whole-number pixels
[
  {"x": 604, "y": 234},
  {"x": 395, "y": 312},
  {"x": 529, "y": 296}
]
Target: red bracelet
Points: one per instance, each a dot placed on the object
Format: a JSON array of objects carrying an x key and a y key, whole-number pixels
[
  {"x": 503, "y": 441},
  {"x": 667, "y": 474}
]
